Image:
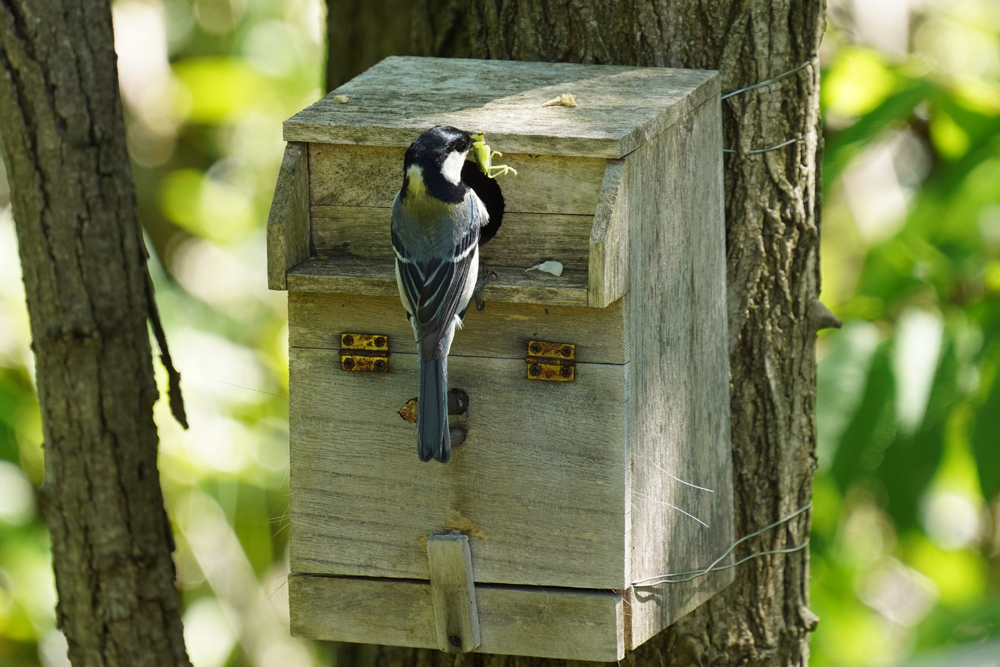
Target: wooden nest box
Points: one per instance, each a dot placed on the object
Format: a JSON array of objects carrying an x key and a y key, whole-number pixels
[{"x": 598, "y": 399}]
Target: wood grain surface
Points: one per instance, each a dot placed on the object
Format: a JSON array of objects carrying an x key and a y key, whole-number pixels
[
  {"x": 514, "y": 620},
  {"x": 538, "y": 484},
  {"x": 679, "y": 414},
  {"x": 501, "y": 330},
  {"x": 607, "y": 259},
  {"x": 375, "y": 277},
  {"x": 453, "y": 592},
  {"x": 288, "y": 220},
  {"x": 620, "y": 108},
  {"x": 349, "y": 175},
  {"x": 524, "y": 239}
]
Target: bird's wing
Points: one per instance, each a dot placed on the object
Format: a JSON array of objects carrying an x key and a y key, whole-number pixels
[{"x": 434, "y": 287}]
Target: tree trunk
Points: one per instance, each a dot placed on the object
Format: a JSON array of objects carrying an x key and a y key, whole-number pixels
[
  {"x": 88, "y": 297},
  {"x": 772, "y": 234}
]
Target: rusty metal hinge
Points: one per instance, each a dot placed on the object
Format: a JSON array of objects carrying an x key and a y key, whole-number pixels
[
  {"x": 364, "y": 352},
  {"x": 551, "y": 361}
]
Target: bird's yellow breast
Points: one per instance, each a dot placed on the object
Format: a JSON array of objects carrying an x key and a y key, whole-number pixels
[{"x": 421, "y": 204}]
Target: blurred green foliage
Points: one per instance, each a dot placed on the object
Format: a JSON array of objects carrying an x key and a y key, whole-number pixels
[
  {"x": 905, "y": 538},
  {"x": 905, "y": 525}
]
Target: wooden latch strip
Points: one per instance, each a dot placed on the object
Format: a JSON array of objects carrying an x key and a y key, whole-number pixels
[
  {"x": 551, "y": 361},
  {"x": 453, "y": 591},
  {"x": 364, "y": 352}
]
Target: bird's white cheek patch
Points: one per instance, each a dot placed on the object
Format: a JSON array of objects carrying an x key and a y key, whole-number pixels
[{"x": 452, "y": 167}]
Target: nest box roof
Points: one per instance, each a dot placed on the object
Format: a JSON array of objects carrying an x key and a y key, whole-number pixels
[{"x": 619, "y": 108}]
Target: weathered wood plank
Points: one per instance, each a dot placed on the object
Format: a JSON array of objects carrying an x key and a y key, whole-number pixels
[
  {"x": 679, "y": 414},
  {"x": 501, "y": 330},
  {"x": 525, "y": 239},
  {"x": 514, "y": 620},
  {"x": 453, "y": 592},
  {"x": 375, "y": 277},
  {"x": 538, "y": 484},
  {"x": 620, "y": 107},
  {"x": 349, "y": 175},
  {"x": 288, "y": 221},
  {"x": 609, "y": 240}
]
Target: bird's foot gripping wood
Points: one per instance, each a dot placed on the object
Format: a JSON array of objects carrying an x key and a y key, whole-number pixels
[
  {"x": 484, "y": 277},
  {"x": 484, "y": 158}
]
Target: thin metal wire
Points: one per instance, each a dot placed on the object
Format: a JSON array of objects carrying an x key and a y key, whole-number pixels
[
  {"x": 674, "y": 477},
  {"x": 671, "y": 578},
  {"x": 769, "y": 148},
  {"x": 702, "y": 573},
  {"x": 674, "y": 507},
  {"x": 678, "y": 479},
  {"x": 770, "y": 81}
]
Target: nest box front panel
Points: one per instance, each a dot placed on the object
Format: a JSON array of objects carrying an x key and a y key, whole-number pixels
[
  {"x": 538, "y": 484},
  {"x": 502, "y": 330}
]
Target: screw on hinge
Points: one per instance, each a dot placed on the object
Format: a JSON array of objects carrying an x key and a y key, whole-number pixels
[
  {"x": 364, "y": 352},
  {"x": 551, "y": 361}
]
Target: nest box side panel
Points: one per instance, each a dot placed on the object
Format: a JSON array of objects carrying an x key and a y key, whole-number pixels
[
  {"x": 679, "y": 414},
  {"x": 538, "y": 484},
  {"x": 501, "y": 330},
  {"x": 585, "y": 625},
  {"x": 609, "y": 239},
  {"x": 288, "y": 220}
]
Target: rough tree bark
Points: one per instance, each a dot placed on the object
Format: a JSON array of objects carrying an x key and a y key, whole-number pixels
[
  {"x": 88, "y": 297},
  {"x": 772, "y": 218}
]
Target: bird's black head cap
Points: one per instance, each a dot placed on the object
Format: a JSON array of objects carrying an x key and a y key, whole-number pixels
[
  {"x": 434, "y": 146},
  {"x": 439, "y": 153}
]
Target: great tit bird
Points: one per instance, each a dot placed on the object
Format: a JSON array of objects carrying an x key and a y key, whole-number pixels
[{"x": 436, "y": 223}]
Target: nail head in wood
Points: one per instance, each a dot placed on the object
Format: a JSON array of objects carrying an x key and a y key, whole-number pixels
[{"x": 453, "y": 591}]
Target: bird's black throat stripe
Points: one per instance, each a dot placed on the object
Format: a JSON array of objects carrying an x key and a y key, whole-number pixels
[{"x": 436, "y": 185}]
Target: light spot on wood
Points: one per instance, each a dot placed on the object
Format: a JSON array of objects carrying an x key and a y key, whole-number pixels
[{"x": 464, "y": 526}]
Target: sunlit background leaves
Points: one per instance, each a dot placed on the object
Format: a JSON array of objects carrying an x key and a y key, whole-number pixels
[{"x": 906, "y": 538}]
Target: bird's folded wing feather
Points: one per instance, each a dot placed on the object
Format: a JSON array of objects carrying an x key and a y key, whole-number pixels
[{"x": 434, "y": 286}]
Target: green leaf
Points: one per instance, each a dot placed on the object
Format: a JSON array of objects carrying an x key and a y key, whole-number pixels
[
  {"x": 218, "y": 90},
  {"x": 857, "y": 81},
  {"x": 910, "y": 461},
  {"x": 844, "y": 145},
  {"x": 841, "y": 378},
  {"x": 872, "y": 428},
  {"x": 985, "y": 439}
]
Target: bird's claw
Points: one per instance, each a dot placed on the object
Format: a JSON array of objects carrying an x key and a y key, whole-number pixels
[{"x": 484, "y": 278}]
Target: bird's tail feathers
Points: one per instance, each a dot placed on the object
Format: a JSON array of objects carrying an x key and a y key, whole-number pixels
[{"x": 433, "y": 440}]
